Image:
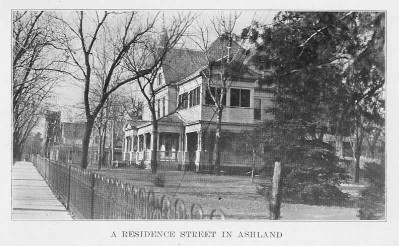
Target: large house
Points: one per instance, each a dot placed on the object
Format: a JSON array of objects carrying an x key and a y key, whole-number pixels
[{"x": 186, "y": 112}]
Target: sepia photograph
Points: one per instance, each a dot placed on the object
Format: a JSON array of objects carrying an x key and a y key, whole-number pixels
[
  {"x": 186, "y": 126},
  {"x": 232, "y": 115}
]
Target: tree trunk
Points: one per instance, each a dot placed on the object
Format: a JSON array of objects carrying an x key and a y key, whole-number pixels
[
  {"x": 339, "y": 146},
  {"x": 111, "y": 144},
  {"x": 17, "y": 151},
  {"x": 357, "y": 152},
  {"x": 216, "y": 147},
  {"x": 103, "y": 152},
  {"x": 154, "y": 148},
  {"x": 86, "y": 142},
  {"x": 275, "y": 203},
  {"x": 99, "y": 155}
]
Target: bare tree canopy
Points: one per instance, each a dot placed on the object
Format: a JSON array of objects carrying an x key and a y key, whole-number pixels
[
  {"x": 33, "y": 64},
  {"x": 150, "y": 55},
  {"x": 223, "y": 60}
]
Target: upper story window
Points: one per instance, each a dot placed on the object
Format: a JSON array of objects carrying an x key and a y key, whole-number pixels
[
  {"x": 160, "y": 78},
  {"x": 216, "y": 93},
  {"x": 190, "y": 99},
  {"x": 183, "y": 100},
  {"x": 163, "y": 106},
  {"x": 194, "y": 97},
  {"x": 240, "y": 98},
  {"x": 158, "y": 108},
  {"x": 257, "y": 109}
]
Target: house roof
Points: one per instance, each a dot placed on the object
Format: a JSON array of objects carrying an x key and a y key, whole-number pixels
[
  {"x": 174, "y": 118},
  {"x": 170, "y": 119},
  {"x": 180, "y": 63},
  {"x": 218, "y": 49}
]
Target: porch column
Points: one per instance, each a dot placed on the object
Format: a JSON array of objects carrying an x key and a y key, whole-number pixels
[
  {"x": 199, "y": 150},
  {"x": 199, "y": 142},
  {"x": 180, "y": 152},
  {"x": 138, "y": 149}
]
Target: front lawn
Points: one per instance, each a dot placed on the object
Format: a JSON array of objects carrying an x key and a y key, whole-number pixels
[{"x": 235, "y": 195}]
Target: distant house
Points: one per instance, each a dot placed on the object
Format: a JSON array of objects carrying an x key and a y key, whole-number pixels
[
  {"x": 185, "y": 137},
  {"x": 68, "y": 147}
]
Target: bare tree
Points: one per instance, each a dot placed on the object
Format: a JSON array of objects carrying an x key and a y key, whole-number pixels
[
  {"x": 131, "y": 106},
  {"x": 33, "y": 61},
  {"x": 97, "y": 44},
  {"x": 224, "y": 58},
  {"x": 152, "y": 53}
]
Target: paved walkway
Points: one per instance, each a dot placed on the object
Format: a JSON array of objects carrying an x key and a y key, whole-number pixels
[{"x": 32, "y": 199}]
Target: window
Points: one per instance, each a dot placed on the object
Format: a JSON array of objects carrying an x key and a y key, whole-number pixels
[
  {"x": 194, "y": 97},
  {"x": 160, "y": 78},
  {"x": 191, "y": 96},
  {"x": 198, "y": 95},
  {"x": 129, "y": 144},
  {"x": 163, "y": 106},
  {"x": 158, "y": 108},
  {"x": 240, "y": 98},
  {"x": 147, "y": 141},
  {"x": 135, "y": 143},
  {"x": 141, "y": 143},
  {"x": 257, "y": 109},
  {"x": 183, "y": 100},
  {"x": 216, "y": 92}
]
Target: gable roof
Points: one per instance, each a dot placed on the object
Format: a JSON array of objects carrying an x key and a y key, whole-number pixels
[
  {"x": 180, "y": 63},
  {"x": 173, "y": 118},
  {"x": 218, "y": 49}
]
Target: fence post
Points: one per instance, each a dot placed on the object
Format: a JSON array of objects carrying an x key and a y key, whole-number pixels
[
  {"x": 92, "y": 196},
  {"x": 69, "y": 186},
  {"x": 275, "y": 203}
]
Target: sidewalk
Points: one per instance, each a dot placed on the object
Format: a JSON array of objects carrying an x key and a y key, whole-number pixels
[{"x": 32, "y": 199}]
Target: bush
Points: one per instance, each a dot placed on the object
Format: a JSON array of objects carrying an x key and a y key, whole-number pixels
[
  {"x": 372, "y": 198},
  {"x": 141, "y": 165},
  {"x": 323, "y": 194},
  {"x": 310, "y": 174},
  {"x": 159, "y": 180}
]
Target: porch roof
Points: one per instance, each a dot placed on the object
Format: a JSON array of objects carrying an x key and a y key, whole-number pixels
[{"x": 170, "y": 123}]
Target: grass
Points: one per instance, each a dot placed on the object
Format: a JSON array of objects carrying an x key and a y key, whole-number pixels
[{"x": 235, "y": 195}]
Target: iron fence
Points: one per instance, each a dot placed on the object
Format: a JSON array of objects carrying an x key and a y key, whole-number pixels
[{"x": 93, "y": 196}]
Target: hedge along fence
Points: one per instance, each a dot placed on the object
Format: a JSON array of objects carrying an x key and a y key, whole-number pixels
[{"x": 92, "y": 196}]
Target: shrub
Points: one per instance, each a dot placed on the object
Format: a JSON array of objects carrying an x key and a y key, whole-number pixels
[
  {"x": 372, "y": 198},
  {"x": 323, "y": 194},
  {"x": 310, "y": 174},
  {"x": 141, "y": 165},
  {"x": 159, "y": 180}
]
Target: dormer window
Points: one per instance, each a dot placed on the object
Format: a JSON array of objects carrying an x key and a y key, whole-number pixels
[
  {"x": 240, "y": 98},
  {"x": 160, "y": 78}
]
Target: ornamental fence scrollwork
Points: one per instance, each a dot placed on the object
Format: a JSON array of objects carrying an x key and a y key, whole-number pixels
[{"x": 89, "y": 195}]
